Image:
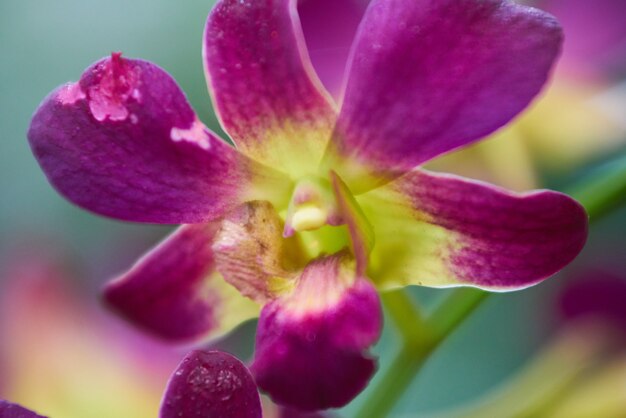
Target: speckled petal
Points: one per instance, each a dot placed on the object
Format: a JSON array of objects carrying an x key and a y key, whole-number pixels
[
  {"x": 311, "y": 346},
  {"x": 263, "y": 85},
  {"x": 442, "y": 230},
  {"x": 10, "y": 410},
  {"x": 251, "y": 253},
  {"x": 123, "y": 142},
  {"x": 175, "y": 293},
  {"x": 430, "y": 76},
  {"x": 211, "y": 384}
]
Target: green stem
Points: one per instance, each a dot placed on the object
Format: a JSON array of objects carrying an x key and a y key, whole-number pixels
[
  {"x": 600, "y": 194},
  {"x": 405, "y": 315},
  {"x": 454, "y": 309},
  {"x": 395, "y": 381},
  {"x": 418, "y": 345},
  {"x": 414, "y": 332},
  {"x": 603, "y": 191}
]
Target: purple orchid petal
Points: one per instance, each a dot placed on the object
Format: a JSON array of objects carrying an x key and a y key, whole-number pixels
[
  {"x": 597, "y": 295},
  {"x": 311, "y": 346},
  {"x": 329, "y": 28},
  {"x": 10, "y": 410},
  {"x": 595, "y": 35},
  {"x": 442, "y": 230},
  {"x": 174, "y": 292},
  {"x": 124, "y": 142},
  {"x": 263, "y": 85},
  {"x": 429, "y": 76},
  {"x": 211, "y": 384}
]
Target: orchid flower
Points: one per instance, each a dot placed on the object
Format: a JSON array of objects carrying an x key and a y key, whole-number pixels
[
  {"x": 321, "y": 203},
  {"x": 11, "y": 410}
]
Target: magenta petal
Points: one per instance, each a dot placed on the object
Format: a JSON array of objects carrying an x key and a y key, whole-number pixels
[
  {"x": 262, "y": 82},
  {"x": 211, "y": 384},
  {"x": 489, "y": 237},
  {"x": 10, "y": 410},
  {"x": 173, "y": 291},
  {"x": 311, "y": 346},
  {"x": 124, "y": 142},
  {"x": 430, "y": 76},
  {"x": 329, "y": 28}
]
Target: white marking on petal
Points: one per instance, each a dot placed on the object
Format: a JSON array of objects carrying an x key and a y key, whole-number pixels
[
  {"x": 70, "y": 94},
  {"x": 116, "y": 82},
  {"x": 196, "y": 134},
  {"x": 102, "y": 107}
]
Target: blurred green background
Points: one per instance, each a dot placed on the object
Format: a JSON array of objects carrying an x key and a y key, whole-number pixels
[{"x": 46, "y": 43}]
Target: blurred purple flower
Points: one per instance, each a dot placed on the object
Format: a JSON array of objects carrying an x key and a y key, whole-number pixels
[
  {"x": 593, "y": 310},
  {"x": 9, "y": 410},
  {"x": 595, "y": 36},
  {"x": 60, "y": 354},
  {"x": 598, "y": 297},
  {"x": 580, "y": 372},
  {"x": 285, "y": 217}
]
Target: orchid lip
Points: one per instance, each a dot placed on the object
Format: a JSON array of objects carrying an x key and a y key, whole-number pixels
[{"x": 312, "y": 345}]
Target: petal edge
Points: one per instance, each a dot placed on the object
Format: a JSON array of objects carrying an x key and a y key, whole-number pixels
[{"x": 468, "y": 233}]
